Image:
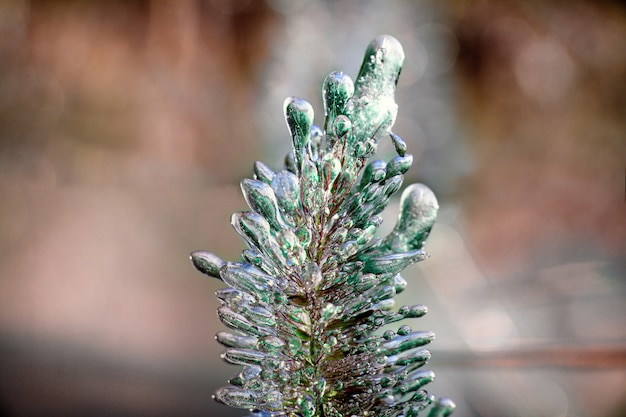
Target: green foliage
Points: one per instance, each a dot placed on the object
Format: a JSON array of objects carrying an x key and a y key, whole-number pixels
[{"x": 315, "y": 285}]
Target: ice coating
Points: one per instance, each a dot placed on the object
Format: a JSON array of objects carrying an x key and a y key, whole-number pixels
[
  {"x": 418, "y": 211},
  {"x": 373, "y": 107},
  {"x": 315, "y": 286}
]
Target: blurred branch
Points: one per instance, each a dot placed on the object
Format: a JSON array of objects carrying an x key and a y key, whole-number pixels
[{"x": 578, "y": 357}]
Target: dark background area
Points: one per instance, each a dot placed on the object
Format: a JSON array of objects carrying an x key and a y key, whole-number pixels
[{"x": 126, "y": 126}]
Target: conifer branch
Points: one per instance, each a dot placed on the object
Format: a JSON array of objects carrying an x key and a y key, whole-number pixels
[{"x": 315, "y": 286}]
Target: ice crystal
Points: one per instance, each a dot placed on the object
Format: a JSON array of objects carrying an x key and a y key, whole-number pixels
[{"x": 307, "y": 303}]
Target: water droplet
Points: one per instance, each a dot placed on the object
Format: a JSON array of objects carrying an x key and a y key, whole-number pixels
[
  {"x": 207, "y": 262},
  {"x": 286, "y": 188},
  {"x": 392, "y": 185},
  {"x": 383, "y": 292},
  {"x": 236, "y": 397},
  {"x": 238, "y": 356},
  {"x": 248, "y": 278},
  {"x": 232, "y": 296},
  {"x": 389, "y": 334},
  {"x": 381, "y": 73},
  {"x": 256, "y": 231},
  {"x": 252, "y": 256},
  {"x": 315, "y": 145},
  {"x": 393, "y": 263},
  {"x": 261, "y": 199},
  {"x": 412, "y": 357},
  {"x": 375, "y": 171},
  {"x": 404, "y": 330},
  {"x": 443, "y": 407},
  {"x": 398, "y": 143},
  {"x": 372, "y": 107},
  {"x": 415, "y": 311},
  {"x": 262, "y": 172},
  {"x": 399, "y": 283},
  {"x": 418, "y": 211},
  {"x": 382, "y": 305},
  {"x": 338, "y": 88},
  {"x": 399, "y": 165},
  {"x": 348, "y": 249},
  {"x": 240, "y": 323},
  {"x": 403, "y": 343},
  {"x": 236, "y": 341},
  {"x": 342, "y": 126},
  {"x": 310, "y": 184},
  {"x": 290, "y": 163},
  {"x": 270, "y": 344},
  {"x": 299, "y": 117},
  {"x": 366, "y": 234},
  {"x": 331, "y": 167}
]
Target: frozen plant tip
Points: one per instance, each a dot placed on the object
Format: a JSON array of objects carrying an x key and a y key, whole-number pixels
[{"x": 309, "y": 303}]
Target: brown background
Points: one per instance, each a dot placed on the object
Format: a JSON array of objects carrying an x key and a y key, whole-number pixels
[{"x": 125, "y": 128}]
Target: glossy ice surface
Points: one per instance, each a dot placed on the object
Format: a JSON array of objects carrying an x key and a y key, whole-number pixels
[{"x": 314, "y": 286}]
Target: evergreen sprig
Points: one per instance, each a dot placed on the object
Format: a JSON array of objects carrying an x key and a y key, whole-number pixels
[{"x": 308, "y": 302}]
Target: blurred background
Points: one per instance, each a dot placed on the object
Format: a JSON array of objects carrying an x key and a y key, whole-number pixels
[{"x": 126, "y": 126}]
